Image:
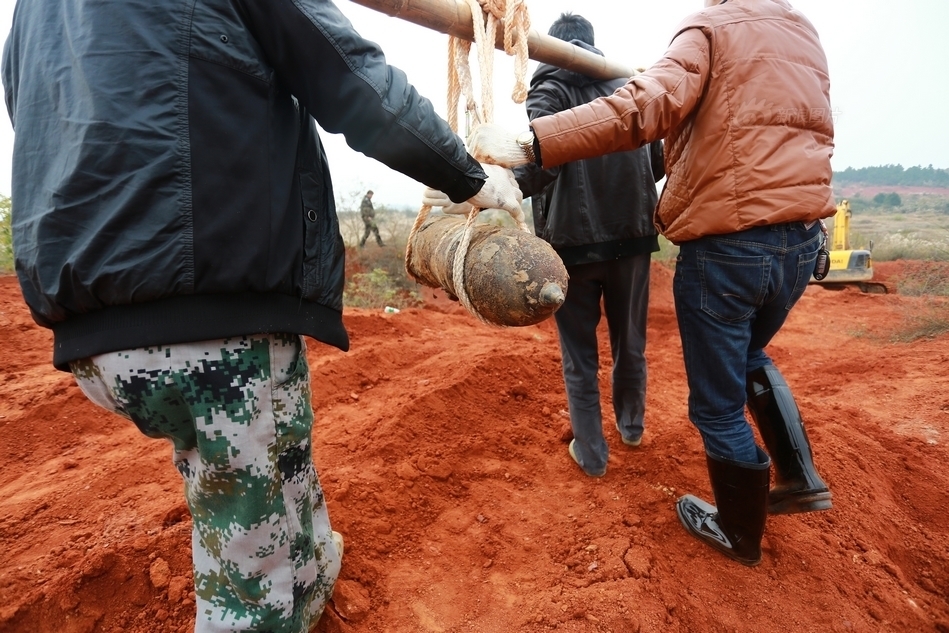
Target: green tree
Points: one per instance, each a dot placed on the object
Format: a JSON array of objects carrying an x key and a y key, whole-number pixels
[
  {"x": 893, "y": 176},
  {"x": 893, "y": 200},
  {"x": 880, "y": 198},
  {"x": 6, "y": 235}
]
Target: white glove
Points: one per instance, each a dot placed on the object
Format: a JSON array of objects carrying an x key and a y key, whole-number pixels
[
  {"x": 435, "y": 198},
  {"x": 490, "y": 143},
  {"x": 500, "y": 191}
]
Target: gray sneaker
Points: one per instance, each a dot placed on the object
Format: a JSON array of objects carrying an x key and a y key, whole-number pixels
[
  {"x": 573, "y": 456},
  {"x": 633, "y": 443}
]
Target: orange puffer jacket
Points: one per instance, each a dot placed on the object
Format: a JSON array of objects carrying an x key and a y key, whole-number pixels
[{"x": 742, "y": 98}]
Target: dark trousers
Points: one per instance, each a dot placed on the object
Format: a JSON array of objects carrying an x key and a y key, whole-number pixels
[{"x": 623, "y": 285}]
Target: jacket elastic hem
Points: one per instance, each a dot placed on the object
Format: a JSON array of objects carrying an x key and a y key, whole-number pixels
[
  {"x": 191, "y": 318},
  {"x": 607, "y": 251}
]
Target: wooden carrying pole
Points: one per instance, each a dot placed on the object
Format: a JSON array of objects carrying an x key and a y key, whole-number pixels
[{"x": 454, "y": 18}]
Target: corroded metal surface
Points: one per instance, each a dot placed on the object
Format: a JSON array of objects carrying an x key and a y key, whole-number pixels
[{"x": 512, "y": 278}]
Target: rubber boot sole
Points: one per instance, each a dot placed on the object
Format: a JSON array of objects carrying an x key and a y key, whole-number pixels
[
  {"x": 796, "y": 503},
  {"x": 693, "y": 515}
]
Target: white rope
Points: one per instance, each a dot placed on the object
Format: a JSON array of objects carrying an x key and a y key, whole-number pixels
[
  {"x": 458, "y": 266},
  {"x": 486, "y": 17}
]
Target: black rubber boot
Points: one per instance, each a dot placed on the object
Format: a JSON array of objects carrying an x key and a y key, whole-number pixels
[
  {"x": 736, "y": 526},
  {"x": 797, "y": 486}
]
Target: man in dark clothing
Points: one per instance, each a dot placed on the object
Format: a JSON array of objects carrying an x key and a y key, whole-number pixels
[
  {"x": 174, "y": 226},
  {"x": 369, "y": 220},
  {"x": 597, "y": 214}
]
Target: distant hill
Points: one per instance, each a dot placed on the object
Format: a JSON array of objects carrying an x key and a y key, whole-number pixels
[{"x": 892, "y": 176}]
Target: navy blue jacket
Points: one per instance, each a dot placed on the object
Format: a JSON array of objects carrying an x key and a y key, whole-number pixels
[
  {"x": 598, "y": 209},
  {"x": 168, "y": 181}
]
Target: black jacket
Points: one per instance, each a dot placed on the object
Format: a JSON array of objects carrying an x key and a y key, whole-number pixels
[
  {"x": 596, "y": 209},
  {"x": 168, "y": 182}
]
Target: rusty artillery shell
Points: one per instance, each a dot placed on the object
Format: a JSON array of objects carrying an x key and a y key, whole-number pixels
[{"x": 512, "y": 278}]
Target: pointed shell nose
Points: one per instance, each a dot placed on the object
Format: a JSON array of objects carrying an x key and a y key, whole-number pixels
[{"x": 551, "y": 294}]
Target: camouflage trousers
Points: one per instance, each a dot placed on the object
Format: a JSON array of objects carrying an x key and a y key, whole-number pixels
[
  {"x": 371, "y": 227},
  {"x": 238, "y": 414}
]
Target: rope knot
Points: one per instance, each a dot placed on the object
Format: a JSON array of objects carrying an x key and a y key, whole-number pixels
[{"x": 486, "y": 16}]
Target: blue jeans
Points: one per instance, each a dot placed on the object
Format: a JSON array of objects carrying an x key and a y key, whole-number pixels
[{"x": 732, "y": 294}]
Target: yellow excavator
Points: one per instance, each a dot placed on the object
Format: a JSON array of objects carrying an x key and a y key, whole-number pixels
[{"x": 849, "y": 267}]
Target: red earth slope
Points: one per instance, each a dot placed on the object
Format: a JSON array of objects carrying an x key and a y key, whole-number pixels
[{"x": 440, "y": 445}]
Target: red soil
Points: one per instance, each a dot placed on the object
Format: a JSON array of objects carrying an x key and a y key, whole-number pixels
[{"x": 440, "y": 444}]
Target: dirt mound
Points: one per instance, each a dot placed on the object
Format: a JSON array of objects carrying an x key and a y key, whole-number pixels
[{"x": 439, "y": 443}]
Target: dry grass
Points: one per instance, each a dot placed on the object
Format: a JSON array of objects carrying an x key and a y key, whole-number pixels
[
  {"x": 6, "y": 237},
  {"x": 924, "y": 278},
  {"x": 929, "y": 317},
  {"x": 375, "y": 276},
  {"x": 917, "y": 236},
  {"x": 927, "y": 321},
  {"x": 378, "y": 289}
]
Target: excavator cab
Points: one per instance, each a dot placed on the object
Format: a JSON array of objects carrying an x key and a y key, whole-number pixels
[{"x": 848, "y": 266}]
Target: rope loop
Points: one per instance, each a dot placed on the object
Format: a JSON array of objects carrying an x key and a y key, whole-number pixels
[{"x": 486, "y": 16}]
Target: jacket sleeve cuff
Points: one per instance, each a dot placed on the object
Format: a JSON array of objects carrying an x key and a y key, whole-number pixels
[{"x": 468, "y": 183}]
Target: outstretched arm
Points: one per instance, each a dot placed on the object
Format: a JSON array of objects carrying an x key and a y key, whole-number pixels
[
  {"x": 646, "y": 109},
  {"x": 343, "y": 80}
]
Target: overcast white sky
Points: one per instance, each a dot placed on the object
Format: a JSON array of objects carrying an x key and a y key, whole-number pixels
[{"x": 887, "y": 61}]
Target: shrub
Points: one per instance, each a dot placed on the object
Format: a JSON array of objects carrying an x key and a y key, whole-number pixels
[
  {"x": 888, "y": 199},
  {"x": 390, "y": 258},
  {"x": 377, "y": 289},
  {"x": 667, "y": 252},
  {"x": 858, "y": 204},
  {"x": 935, "y": 247},
  {"x": 930, "y": 280},
  {"x": 6, "y": 236},
  {"x": 376, "y": 277},
  {"x": 927, "y": 321},
  {"x": 920, "y": 278}
]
